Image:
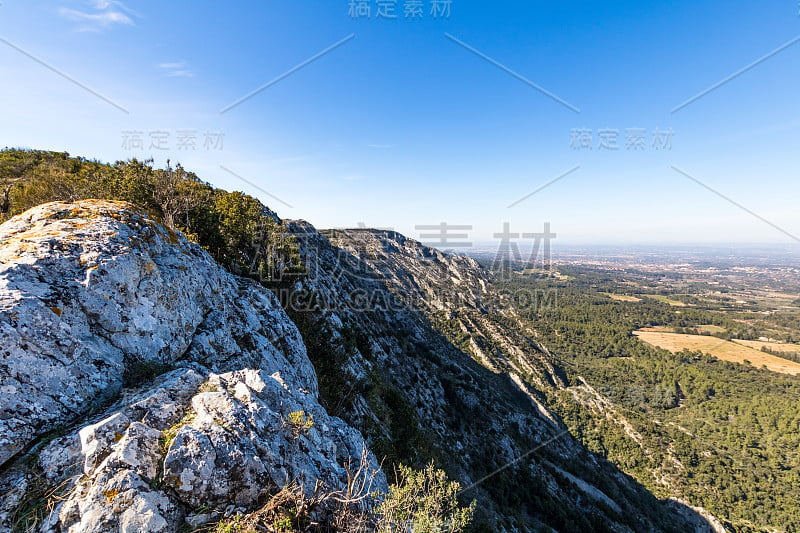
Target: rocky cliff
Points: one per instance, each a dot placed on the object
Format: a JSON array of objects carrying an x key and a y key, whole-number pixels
[{"x": 142, "y": 385}]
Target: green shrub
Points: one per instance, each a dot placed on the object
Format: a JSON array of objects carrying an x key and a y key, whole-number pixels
[
  {"x": 235, "y": 228},
  {"x": 299, "y": 422},
  {"x": 426, "y": 501},
  {"x": 233, "y": 525}
]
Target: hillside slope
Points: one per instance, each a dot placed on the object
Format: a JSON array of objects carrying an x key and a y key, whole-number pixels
[{"x": 396, "y": 374}]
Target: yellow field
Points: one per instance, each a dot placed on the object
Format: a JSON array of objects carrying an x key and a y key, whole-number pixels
[
  {"x": 710, "y": 328},
  {"x": 776, "y": 346},
  {"x": 781, "y": 295},
  {"x": 721, "y": 349},
  {"x": 703, "y": 327},
  {"x": 660, "y": 298},
  {"x": 622, "y": 297}
]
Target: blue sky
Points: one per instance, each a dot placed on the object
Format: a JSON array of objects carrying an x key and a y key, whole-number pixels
[{"x": 403, "y": 125}]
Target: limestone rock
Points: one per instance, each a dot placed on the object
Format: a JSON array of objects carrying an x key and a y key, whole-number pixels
[
  {"x": 93, "y": 294},
  {"x": 97, "y": 304}
]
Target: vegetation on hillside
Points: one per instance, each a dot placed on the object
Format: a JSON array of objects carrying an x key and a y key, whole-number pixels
[
  {"x": 721, "y": 435},
  {"x": 235, "y": 228},
  {"x": 423, "y": 501}
]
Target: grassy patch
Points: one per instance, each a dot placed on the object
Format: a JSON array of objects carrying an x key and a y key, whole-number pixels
[
  {"x": 39, "y": 501},
  {"x": 168, "y": 435},
  {"x": 664, "y": 299},
  {"x": 622, "y": 297}
]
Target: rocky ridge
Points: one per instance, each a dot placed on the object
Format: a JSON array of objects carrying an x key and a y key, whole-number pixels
[{"x": 168, "y": 384}]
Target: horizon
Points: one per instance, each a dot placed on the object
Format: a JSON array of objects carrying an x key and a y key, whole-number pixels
[
  {"x": 519, "y": 114},
  {"x": 607, "y": 249}
]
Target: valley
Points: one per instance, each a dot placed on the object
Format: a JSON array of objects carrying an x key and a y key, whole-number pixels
[{"x": 692, "y": 371}]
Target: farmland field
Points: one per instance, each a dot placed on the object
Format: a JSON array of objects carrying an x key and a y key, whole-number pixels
[
  {"x": 622, "y": 297},
  {"x": 774, "y": 346},
  {"x": 665, "y": 299},
  {"x": 709, "y": 328},
  {"x": 721, "y": 349}
]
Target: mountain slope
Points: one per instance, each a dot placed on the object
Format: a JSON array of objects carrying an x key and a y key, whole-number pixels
[{"x": 398, "y": 308}]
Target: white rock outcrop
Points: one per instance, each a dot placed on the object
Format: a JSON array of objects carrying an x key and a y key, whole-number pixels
[{"x": 95, "y": 296}]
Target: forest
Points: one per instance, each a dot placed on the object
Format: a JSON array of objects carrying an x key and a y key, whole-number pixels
[{"x": 724, "y": 436}]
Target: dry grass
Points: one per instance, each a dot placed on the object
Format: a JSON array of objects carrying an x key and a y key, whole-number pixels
[
  {"x": 774, "y": 346},
  {"x": 710, "y": 328},
  {"x": 721, "y": 349},
  {"x": 622, "y": 297},
  {"x": 780, "y": 295},
  {"x": 666, "y": 300}
]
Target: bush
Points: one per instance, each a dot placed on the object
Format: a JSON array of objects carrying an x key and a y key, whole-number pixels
[
  {"x": 299, "y": 422},
  {"x": 424, "y": 500}
]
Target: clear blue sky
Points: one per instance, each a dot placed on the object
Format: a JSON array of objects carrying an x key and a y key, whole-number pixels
[{"x": 401, "y": 125}]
